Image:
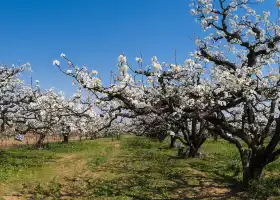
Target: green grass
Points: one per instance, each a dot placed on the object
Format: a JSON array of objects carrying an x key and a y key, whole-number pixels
[
  {"x": 133, "y": 168},
  {"x": 16, "y": 160}
]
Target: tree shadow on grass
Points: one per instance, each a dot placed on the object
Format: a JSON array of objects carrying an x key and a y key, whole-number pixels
[
  {"x": 144, "y": 174},
  {"x": 161, "y": 181}
]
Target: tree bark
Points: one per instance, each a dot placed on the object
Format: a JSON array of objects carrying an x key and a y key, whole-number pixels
[
  {"x": 195, "y": 147},
  {"x": 65, "y": 139},
  {"x": 172, "y": 141},
  {"x": 193, "y": 152},
  {"x": 251, "y": 173},
  {"x": 3, "y": 126},
  {"x": 40, "y": 141},
  {"x": 252, "y": 166}
]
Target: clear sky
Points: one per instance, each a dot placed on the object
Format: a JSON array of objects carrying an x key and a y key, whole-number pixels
[{"x": 94, "y": 32}]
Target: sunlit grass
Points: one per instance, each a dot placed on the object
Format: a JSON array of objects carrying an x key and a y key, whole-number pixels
[{"x": 133, "y": 168}]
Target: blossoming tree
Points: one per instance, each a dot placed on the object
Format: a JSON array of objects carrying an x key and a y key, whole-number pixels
[
  {"x": 242, "y": 52},
  {"x": 13, "y": 93},
  {"x": 230, "y": 87}
]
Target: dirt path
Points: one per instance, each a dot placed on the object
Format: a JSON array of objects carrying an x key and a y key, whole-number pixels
[{"x": 206, "y": 188}]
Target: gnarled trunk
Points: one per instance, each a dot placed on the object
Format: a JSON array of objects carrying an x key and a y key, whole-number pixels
[
  {"x": 252, "y": 164},
  {"x": 193, "y": 152},
  {"x": 195, "y": 147},
  {"x": 194, "y": 138},
  {"x": 251, "y": 173}
]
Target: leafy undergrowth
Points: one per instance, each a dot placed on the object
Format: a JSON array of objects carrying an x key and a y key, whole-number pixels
[{"x": 133, "y": 168}]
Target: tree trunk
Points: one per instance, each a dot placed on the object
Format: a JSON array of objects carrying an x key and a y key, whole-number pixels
[
  {"x": 194, "y": 149},
  {"x": 251, "y": 173},
  {"x": 40, "y": 141},
  {"x": 193, "y": 152},
  {"x": 172, "y": 141},
  {"x": 65, "y": 138},
  {"x": 3, "y": 126},
  {"x": 252, "y": 167}
]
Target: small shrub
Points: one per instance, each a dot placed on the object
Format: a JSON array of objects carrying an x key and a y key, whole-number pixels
[
  {"x": 234, "y": 164},
  {"x": 264, "y": 188}
]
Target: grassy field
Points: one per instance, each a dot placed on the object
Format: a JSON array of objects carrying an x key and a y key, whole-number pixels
[{"x": 133, "y": 168}]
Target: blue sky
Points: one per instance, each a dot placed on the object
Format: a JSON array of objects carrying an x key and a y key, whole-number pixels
[{"x": 94, "y": 32}]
